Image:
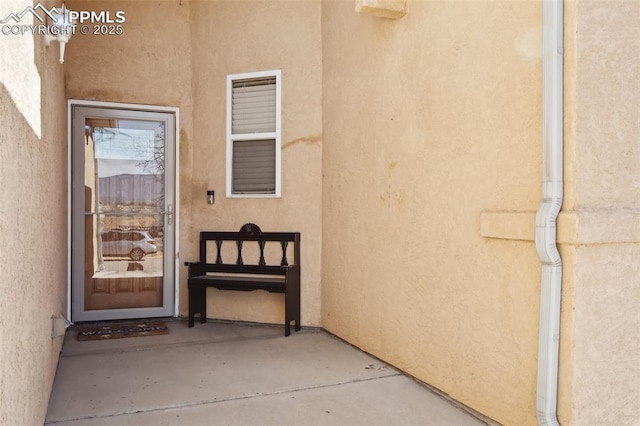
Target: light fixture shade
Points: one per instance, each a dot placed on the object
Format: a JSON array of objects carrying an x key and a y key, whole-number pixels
[
  {"x": 59, "y": 18},
  {"x": 62, "y": 22}
]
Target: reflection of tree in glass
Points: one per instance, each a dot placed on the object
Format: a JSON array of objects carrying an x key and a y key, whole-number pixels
[{"x": 155, "y": 163}]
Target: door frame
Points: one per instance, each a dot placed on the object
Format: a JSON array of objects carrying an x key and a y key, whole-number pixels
[{"x": 71, "y": 103}]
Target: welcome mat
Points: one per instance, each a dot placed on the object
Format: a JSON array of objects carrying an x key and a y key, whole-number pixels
[{"x": 121, "y": 330}]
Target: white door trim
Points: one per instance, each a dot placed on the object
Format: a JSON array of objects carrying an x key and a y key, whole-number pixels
[{"x": 141, "y": 107}]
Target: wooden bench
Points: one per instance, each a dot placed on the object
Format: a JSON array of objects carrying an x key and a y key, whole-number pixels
[{"x": 240, "y": 276}]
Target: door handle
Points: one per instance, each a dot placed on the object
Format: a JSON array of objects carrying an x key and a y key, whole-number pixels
[{"x": 169, "y": 213}]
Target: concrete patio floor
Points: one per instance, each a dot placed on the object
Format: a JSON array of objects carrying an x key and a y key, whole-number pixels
[{"x": 237, "y": 374}]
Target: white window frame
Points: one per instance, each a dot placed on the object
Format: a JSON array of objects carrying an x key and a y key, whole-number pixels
[{"x": 231, "y": 138}]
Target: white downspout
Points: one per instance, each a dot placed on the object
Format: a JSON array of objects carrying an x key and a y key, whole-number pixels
[{"x": 552, "y": 146}]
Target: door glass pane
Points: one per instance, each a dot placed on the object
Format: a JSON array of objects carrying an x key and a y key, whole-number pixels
[{"x": 124, "y": 196}]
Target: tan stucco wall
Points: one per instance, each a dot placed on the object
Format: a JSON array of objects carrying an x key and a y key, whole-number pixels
[
  {"x": 185, "y": 64},
  {"x": 247, "y": 36},
  {"x": 146, "y": 64},
  {"x": 411, "y": 165},
  {"x": 33, "y": 222},
  {"x": 602, "y": 107},
  {"x": 432, "y": 122},
  {"x": 432, "y": 146},
  {"x": 150, "y": 63}
]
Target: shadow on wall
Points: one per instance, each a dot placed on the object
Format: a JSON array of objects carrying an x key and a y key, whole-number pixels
[
  {"x": 19, "y": 72},
  {"x": 32, "y": 176}
]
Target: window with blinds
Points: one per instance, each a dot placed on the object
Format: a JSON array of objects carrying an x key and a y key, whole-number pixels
[{"x": 253, "y": 127}]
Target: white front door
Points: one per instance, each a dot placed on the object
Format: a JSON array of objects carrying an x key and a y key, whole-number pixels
[{"x": 122, "y": 223}]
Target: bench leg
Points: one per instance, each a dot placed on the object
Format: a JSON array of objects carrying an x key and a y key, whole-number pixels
[
  {"x": 191, "y": 307},
  {"x": 287, "y": 314},
  {"x": 287, "y": 323},
  {"x": 291, "y": 312},
  {"x": 197, "y": 305}
]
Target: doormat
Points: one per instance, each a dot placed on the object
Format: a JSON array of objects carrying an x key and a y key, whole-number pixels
[{"x": 121, "y": 330}]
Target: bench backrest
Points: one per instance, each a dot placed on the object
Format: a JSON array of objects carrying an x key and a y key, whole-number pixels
[{"x": 249, "y": 232}]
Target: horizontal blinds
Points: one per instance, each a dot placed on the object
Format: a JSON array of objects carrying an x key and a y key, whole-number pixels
[
  {"x": 254, "y": 166},
  {"x": 253, "y": 106}
]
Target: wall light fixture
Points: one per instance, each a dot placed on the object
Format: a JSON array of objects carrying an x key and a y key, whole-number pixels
[{"x": 60, "y": 30}]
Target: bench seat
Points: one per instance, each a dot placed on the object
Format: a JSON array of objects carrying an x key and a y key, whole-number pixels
[
  {"x": 240, "y": 283},
  {"x": 239, "y": 276}
]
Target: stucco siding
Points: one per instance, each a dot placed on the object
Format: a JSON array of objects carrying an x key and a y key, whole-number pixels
[
  {"x": 149, "y": 63},
  {"x": 606, "y": 339},
  {"x": 603, "y": 65},
  {"x": 430, "y": 121},
  {"x": 33, "y": 222},
  {"x": 250, "y": 36},
  {"x": 179, "y": 54},
  {"x": 411, "y": 164}
]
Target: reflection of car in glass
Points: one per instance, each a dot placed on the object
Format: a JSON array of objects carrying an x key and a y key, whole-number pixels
[{"x": 134, "y": 244}]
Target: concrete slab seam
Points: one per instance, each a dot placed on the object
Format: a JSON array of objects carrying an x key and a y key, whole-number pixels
[{"x": 216, "y": 401}]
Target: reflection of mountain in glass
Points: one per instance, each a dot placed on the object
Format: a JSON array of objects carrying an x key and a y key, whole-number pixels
[
  {"x": 129, "y": 150},
  {"x": 130, "y": 164}
]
